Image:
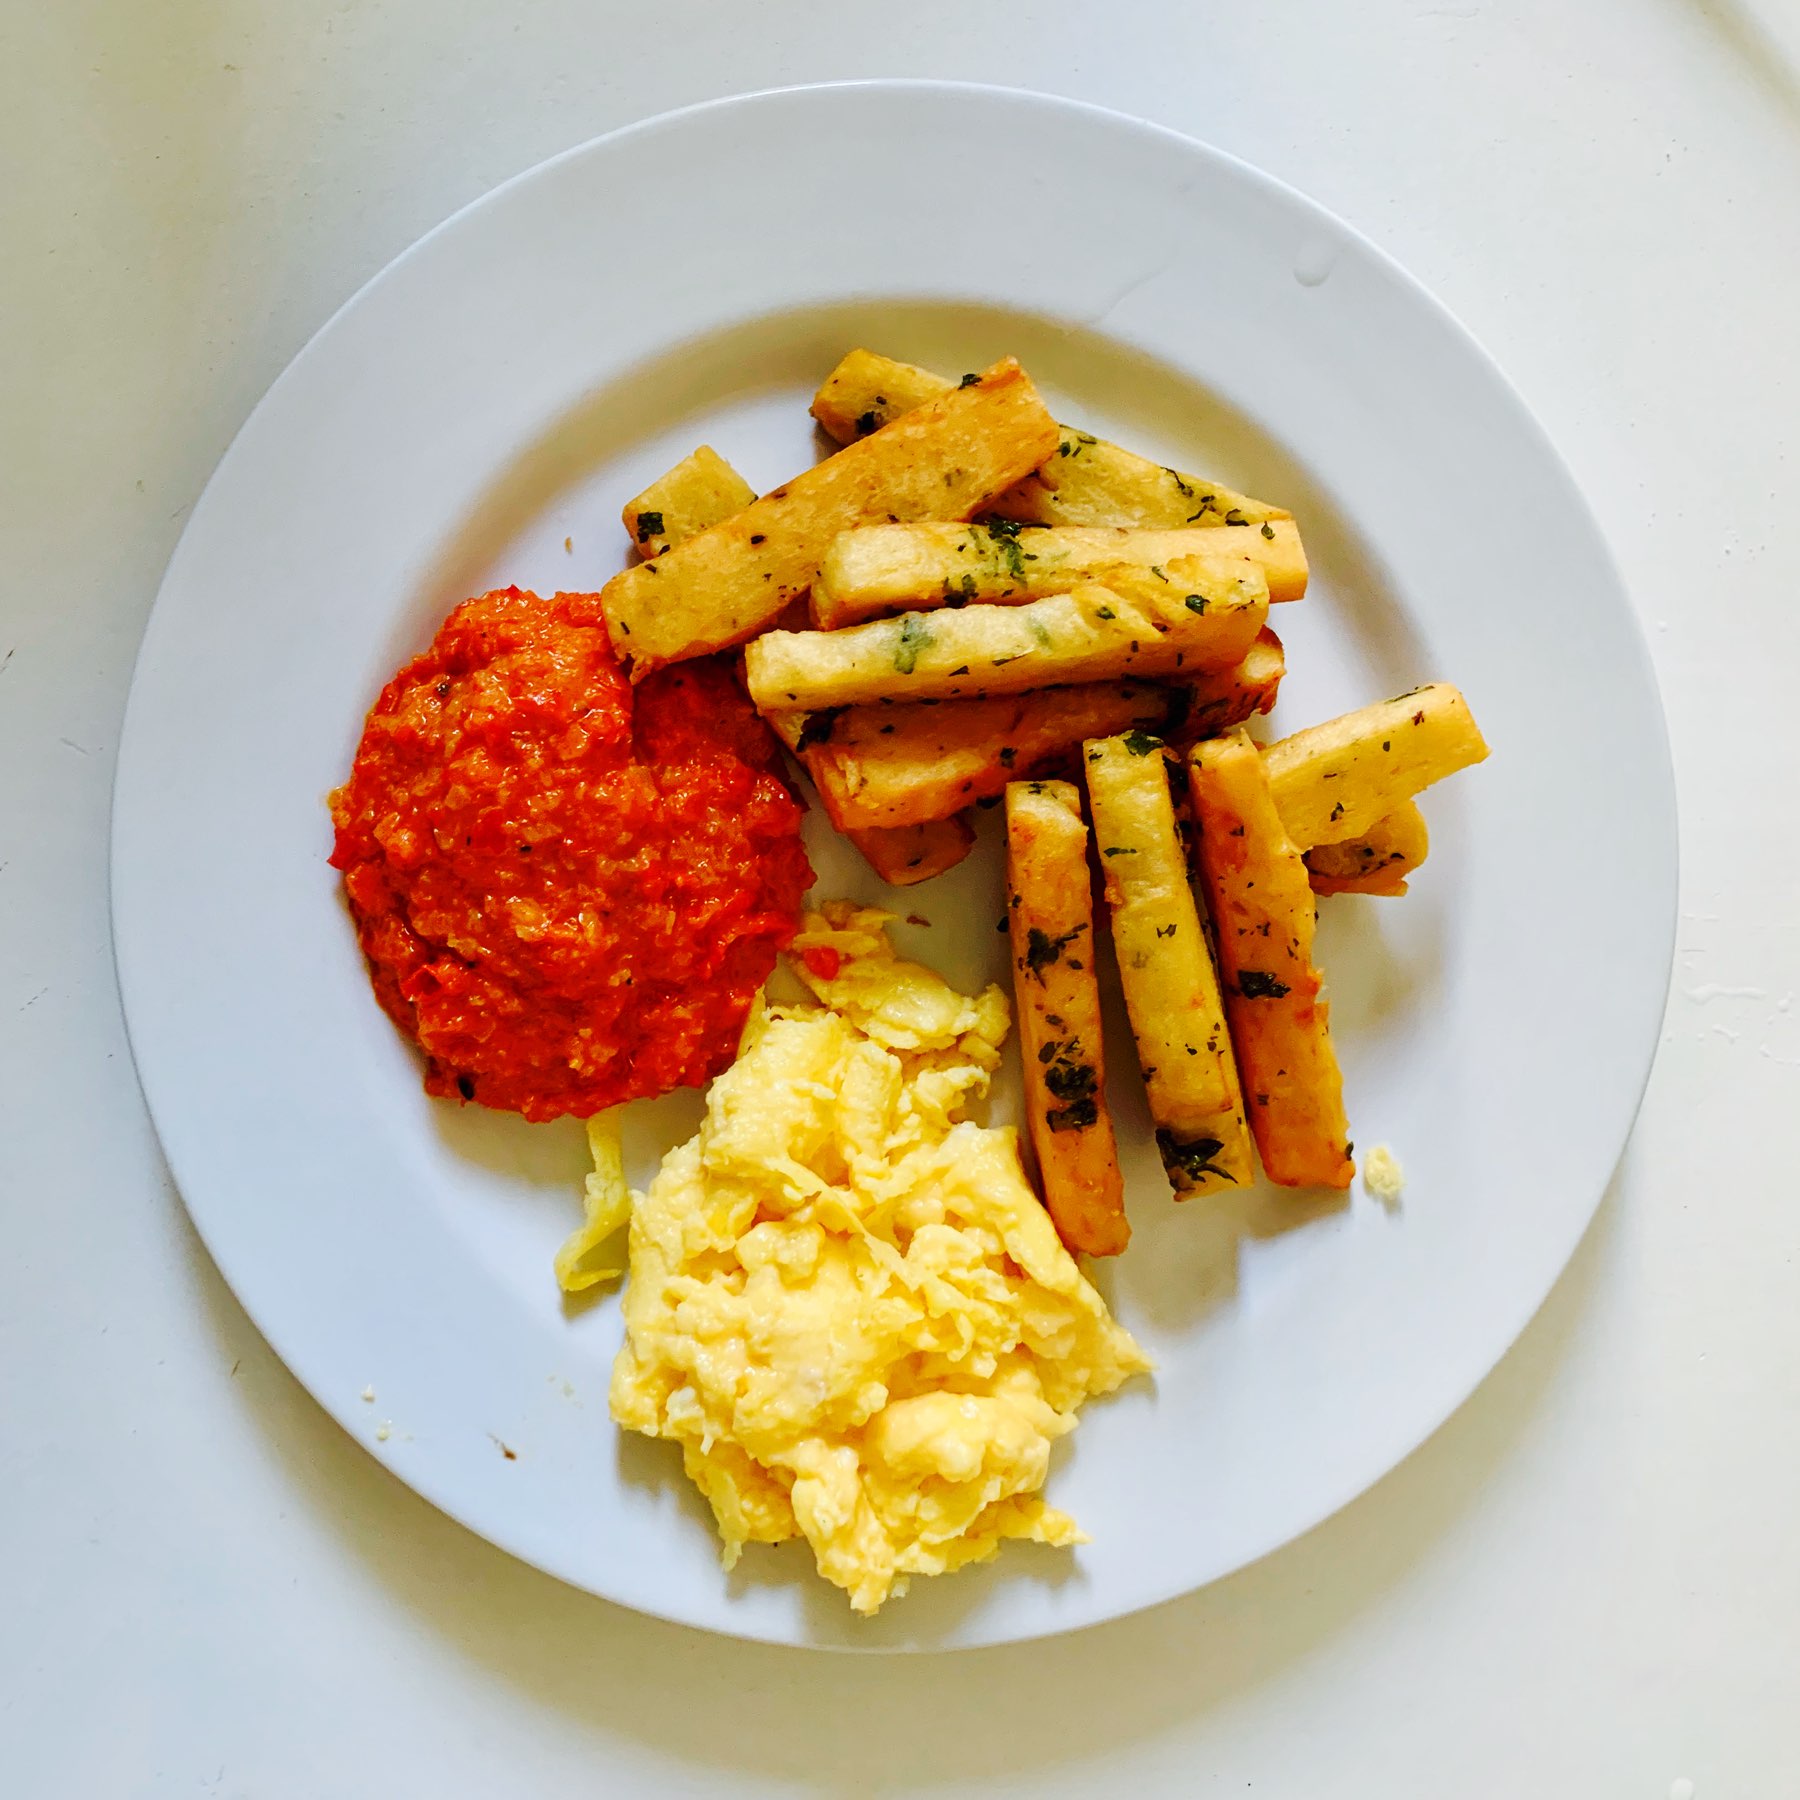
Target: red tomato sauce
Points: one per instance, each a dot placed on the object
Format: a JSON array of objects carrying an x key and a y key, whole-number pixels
[{"x": 568, "y": 891}]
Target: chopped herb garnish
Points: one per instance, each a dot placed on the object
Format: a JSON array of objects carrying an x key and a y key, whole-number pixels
[
  {"x": 1259, "y": 984},
  {"x": 1068, "y": 1080},
  {"x": 1196, "y": 603},
  {"x": 1041, "y": 950},
  {"x": 649, "y": 525},
  {"x": 1007, "y": 753},
  {"x": 1182, "y": 487},
  {"x": 1118, "y": 850},
  {"x": 1141, "y": 743},
  {"x": 1072, "y": 1082},
  {"x": 1192, "y": 1158},
  {"x": 817, "y": 728},
  {"x": 914, "y": 636},
  {"x": 968, "y": 380},
  {"x": 1268, "y": 531},
  {"x": 1003, "y": 536}
]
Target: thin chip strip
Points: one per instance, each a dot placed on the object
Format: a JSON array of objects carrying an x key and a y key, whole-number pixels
[
  {"x": 1196, "y": 615},
  {"x": 1091, "y": 482},
  {"x": 908, "y": 854},
  {"x": 1166, "y": 968},
  {"x": 1050, "y": 921},
  {"x": 902, "y": 764},
  {"x": 698, "y": 492},
  {"x": 898, "y": 765},
  {"x": 1336, "y": 780},
  {"x": 865, "y": 391},
  {"x": 1226, "y": 698},
  {"x": 876, "y": 570},
  {"x": 1086, "y": 482},
  {"x": 947, "y": 459},
  {"x": 1378, "y": 862},
  {"x": 1263, "y": 914}
]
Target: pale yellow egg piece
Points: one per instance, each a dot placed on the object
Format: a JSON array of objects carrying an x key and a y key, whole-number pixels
[{"x": 587, "y": 1257}]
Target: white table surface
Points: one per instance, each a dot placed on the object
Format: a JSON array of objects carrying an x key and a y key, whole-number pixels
[{"x": 1588, "y": 1584}]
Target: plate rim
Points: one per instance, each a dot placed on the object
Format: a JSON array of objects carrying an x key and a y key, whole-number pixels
[{"x": 1664, "y": 824}]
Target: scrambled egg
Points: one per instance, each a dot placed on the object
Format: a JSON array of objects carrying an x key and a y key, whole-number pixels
[
  {"x": 846, "y": 1304},
  {"x": 1383, "y": 1176}
]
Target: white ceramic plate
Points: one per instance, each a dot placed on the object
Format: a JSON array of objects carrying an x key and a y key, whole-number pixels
[{"x": 506, "y": 385}]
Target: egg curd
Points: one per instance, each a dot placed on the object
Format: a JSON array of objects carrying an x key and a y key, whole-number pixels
[{"x": 846, "y": 1304}]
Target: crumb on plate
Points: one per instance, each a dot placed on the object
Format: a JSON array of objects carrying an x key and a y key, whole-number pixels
[{"x": 1382, "y": 1175}]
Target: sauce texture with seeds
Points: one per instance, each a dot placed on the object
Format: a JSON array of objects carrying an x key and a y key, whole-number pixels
[{"x": 568, "y": 891}]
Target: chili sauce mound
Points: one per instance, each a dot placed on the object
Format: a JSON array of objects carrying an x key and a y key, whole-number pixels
[{"x": 568, "y": 890}]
